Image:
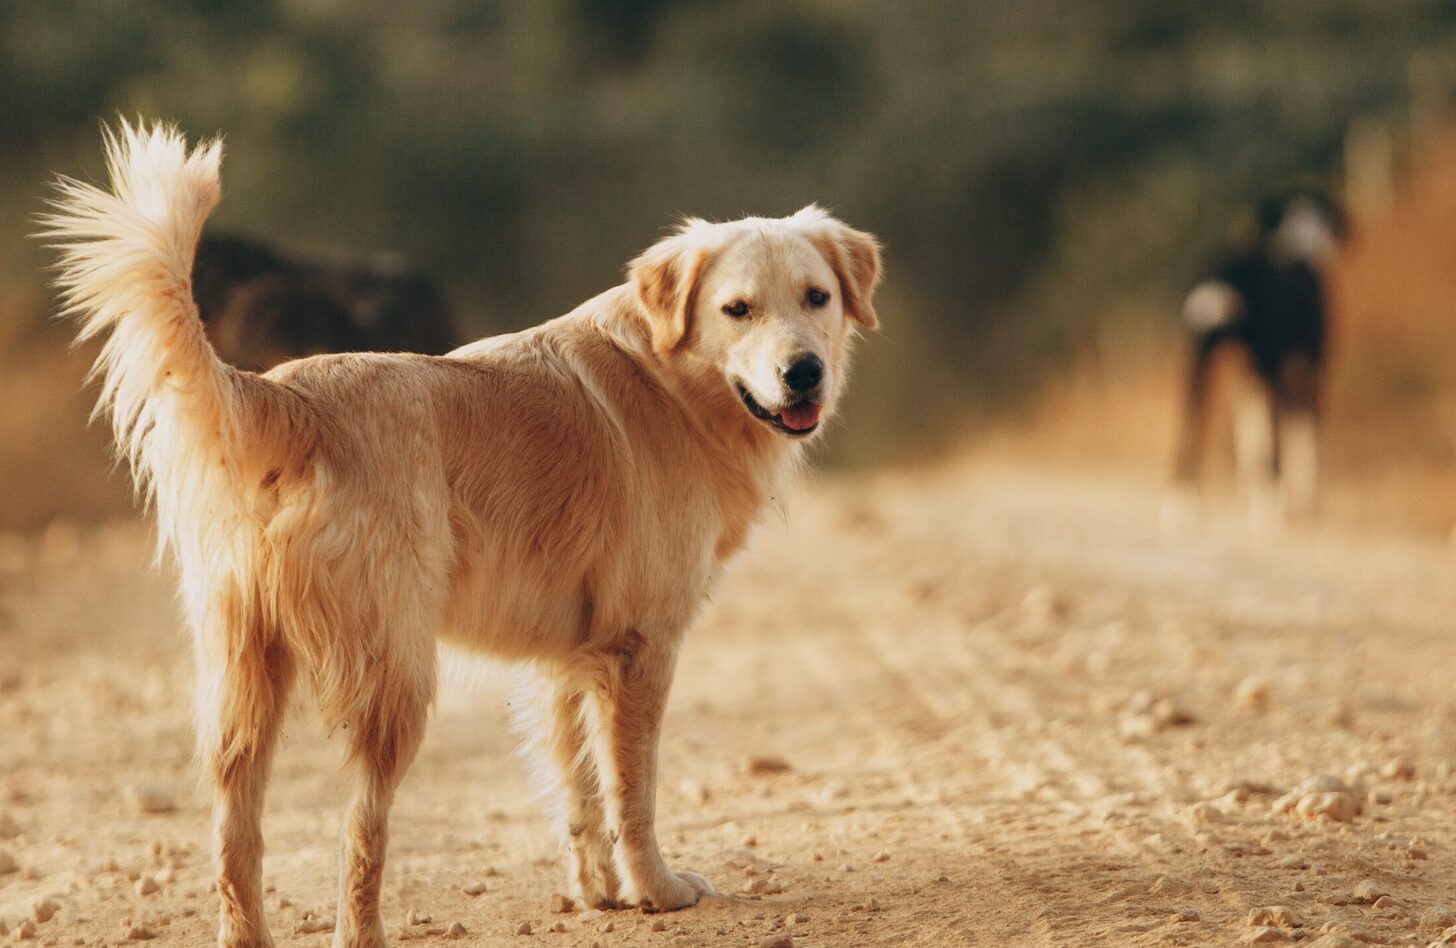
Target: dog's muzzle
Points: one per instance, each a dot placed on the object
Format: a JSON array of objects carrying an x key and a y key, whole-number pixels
[{"x": 796, "y": 420}]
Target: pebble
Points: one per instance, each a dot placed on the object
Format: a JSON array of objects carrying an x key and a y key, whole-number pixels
[
  {"x": 26, "y": 929},
  {"x": 761, "y": 885},
  {"x": 1337, "y": 805},
  {"x": 695, "y": 790},
  {"x": 1398, "y": 769},
  {"x": 1290, "y": 862},
  {"x": 795, "y": 918},
  {"x": 44, "y": 910},
  {"x": 456, "y": 930},
  {"x": 1136, "y": 727},
  {"x": 607, "y": 926},
  {"x": 763, "y": 765},
  {"x": 415, "y": 918},
  {"x": 776, "y": 941},
  {"x": 1147, "y": 715},
  {"x": 1383, "y": 902},
  {"x": 1252, "y": 694},
  {"x": 562, "y": 903},
  {"x": 148, "y": 799},
  {"x": 1205, "y": 813},
  {"x": 473, "y": 888},
  {"x": 882, "y": 856},
  {"x": 1276, "y": 916},
  {"x": 140, "y": 933},
  {"x": 558, "y": 926},
  {"x": 1369, "y": 891},
  {"x": 658, "y": 925},
  {"x": 525, "y": 928},
  {"x": 146, "y": 885},
  {"x": 1262, "y": 935},
  {"x": 1186, "y": 915},
  {"x": 872, "y": 904},
  {"x": 1438, "y": 917},
  {"x": 831, "y": 791},
  {"x": 1341, "y": 716},
  {"x": 310, "y": 925},
  {"x": 8, "y": 863},
  {"x": 1350, "y": 932},
  {"x": 1042, "y": 603}
]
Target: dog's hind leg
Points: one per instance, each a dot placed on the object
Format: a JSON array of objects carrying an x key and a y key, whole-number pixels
[
  {"x": 1193, "y": 433},
  {"x": 385, "y": 733},
  {"x": 631, "y": 695},
  {"x": 1255, "y": 452},
  {"x": 1298, "y": 438},
  {"x": 558, "y": 735},
  {"x": 242, "y": 699}
]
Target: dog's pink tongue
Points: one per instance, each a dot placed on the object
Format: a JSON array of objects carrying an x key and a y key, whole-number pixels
[{"x": 800, "y": 417}]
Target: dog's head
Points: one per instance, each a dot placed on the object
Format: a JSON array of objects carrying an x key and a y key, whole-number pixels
[{"x": 767, "y": 305}]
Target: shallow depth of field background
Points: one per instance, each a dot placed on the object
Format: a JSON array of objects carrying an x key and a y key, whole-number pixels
[
  {"x": 972, "y": 686},
  {"x": 1048, "y": 177}
]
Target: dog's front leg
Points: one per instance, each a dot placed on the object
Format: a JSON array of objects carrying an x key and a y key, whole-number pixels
[{"x": 631, "y": 696}]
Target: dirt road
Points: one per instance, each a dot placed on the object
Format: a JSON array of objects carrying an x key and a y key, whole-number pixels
[{"x": 1012, "y": 710}]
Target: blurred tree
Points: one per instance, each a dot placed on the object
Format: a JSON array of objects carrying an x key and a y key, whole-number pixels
[{"x": 1034, "y": 166}]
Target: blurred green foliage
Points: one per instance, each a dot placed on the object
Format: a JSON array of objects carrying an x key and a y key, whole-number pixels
[{"x": 1034, "y": 167}]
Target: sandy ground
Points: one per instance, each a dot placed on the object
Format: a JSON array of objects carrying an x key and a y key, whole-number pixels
[{"x": 1012, "y": 709}]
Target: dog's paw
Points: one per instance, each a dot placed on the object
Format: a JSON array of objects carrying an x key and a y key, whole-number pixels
[
  {"x": 593, "y": 878},
  {"x": 595, "y": 893},
  {"x": 676, "y": 890},
  {"x": 362, "y": 936},
  {"x": 229, "y": 939}
]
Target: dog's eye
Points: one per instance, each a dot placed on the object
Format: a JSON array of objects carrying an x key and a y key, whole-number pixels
[
  {"x": 737, "y": 309},
  {"x": 816, "y": 297}
]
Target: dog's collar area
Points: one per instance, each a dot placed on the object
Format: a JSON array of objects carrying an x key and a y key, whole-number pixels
[{"x": 770, "y": 418}]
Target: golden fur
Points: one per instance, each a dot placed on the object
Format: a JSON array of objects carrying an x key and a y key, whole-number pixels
[{"x": 562, "y": 496}]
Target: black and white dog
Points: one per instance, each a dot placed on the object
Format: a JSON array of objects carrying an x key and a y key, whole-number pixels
[
  {"x": 261, "y": 308},
  {"x": 1264, "y": 310}
]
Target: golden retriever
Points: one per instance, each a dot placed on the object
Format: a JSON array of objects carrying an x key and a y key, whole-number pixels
[{"x": 563, "y": 497}]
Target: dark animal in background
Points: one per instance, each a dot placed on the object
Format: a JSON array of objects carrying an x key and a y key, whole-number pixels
[
  {"x": 1263, "y": 310},
  {"x": 261, "y": 308}
]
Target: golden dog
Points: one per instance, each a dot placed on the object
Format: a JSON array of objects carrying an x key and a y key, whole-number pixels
[{"x": 562, "y": 496}]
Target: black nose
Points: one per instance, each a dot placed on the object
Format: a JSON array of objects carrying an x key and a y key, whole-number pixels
[{"x": 805, "y": 372}]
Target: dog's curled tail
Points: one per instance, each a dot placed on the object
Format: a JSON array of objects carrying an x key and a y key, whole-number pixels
[{"x": 126, "y": 269}]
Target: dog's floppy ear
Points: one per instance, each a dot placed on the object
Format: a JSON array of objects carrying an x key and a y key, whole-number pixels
[
  {"x": 666, "y": 277},
  {"x": 855, "y": 257}
]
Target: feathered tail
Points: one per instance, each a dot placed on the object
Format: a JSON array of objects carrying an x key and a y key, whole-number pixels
[{"x": 126, "y": 269}]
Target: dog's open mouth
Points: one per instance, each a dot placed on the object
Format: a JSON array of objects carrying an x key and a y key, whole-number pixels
[{"x": 796, "y": 420}]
